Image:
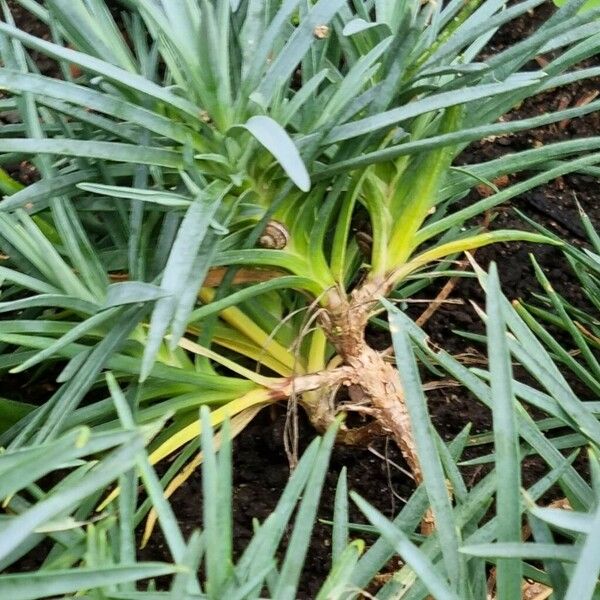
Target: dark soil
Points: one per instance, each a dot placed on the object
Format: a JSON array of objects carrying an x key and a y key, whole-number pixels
[{"x": 261, "y": 466}]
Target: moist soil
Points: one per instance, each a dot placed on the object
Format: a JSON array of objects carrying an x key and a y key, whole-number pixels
[{"x": 261, "y": 466}]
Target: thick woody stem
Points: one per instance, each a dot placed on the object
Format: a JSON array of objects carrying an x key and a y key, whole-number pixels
[
  {"x": 377, "y": 380},
  {"x": 380, "y": 382},
  {"x": 374, "y": 383}
]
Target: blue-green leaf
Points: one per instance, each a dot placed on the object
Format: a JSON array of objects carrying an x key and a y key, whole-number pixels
[{"x": 276, "y": 140}]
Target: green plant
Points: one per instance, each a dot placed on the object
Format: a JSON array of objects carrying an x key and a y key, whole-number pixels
[
  {"x": 589, "y": 5},
  {"x": 96, "y": 553},
  {"x": 477, "y": 526},
  {"x": 567, "y": 551},
  {"x": 84, "y": 554},
  {"x": 178, "y": 153},
  {"x": 550, "y": 310}
]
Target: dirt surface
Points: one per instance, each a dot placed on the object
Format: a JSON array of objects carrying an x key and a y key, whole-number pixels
[{"x": 261, "y": 466}]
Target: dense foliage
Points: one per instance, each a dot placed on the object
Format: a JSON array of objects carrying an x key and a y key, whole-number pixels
[
  {"x": 97, "y": 552},
  {"x": 174, "y": 146},
  {"x": 225, "y": 193}
]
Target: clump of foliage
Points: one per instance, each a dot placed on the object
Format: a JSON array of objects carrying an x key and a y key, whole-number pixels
[
  {"x": 549, "y": 311},
  {"x": 203, "y": 167},
  {"x": 478, "y": 526}
]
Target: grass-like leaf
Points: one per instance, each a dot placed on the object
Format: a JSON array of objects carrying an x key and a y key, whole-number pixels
[{"x": 505, "y": 441}]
